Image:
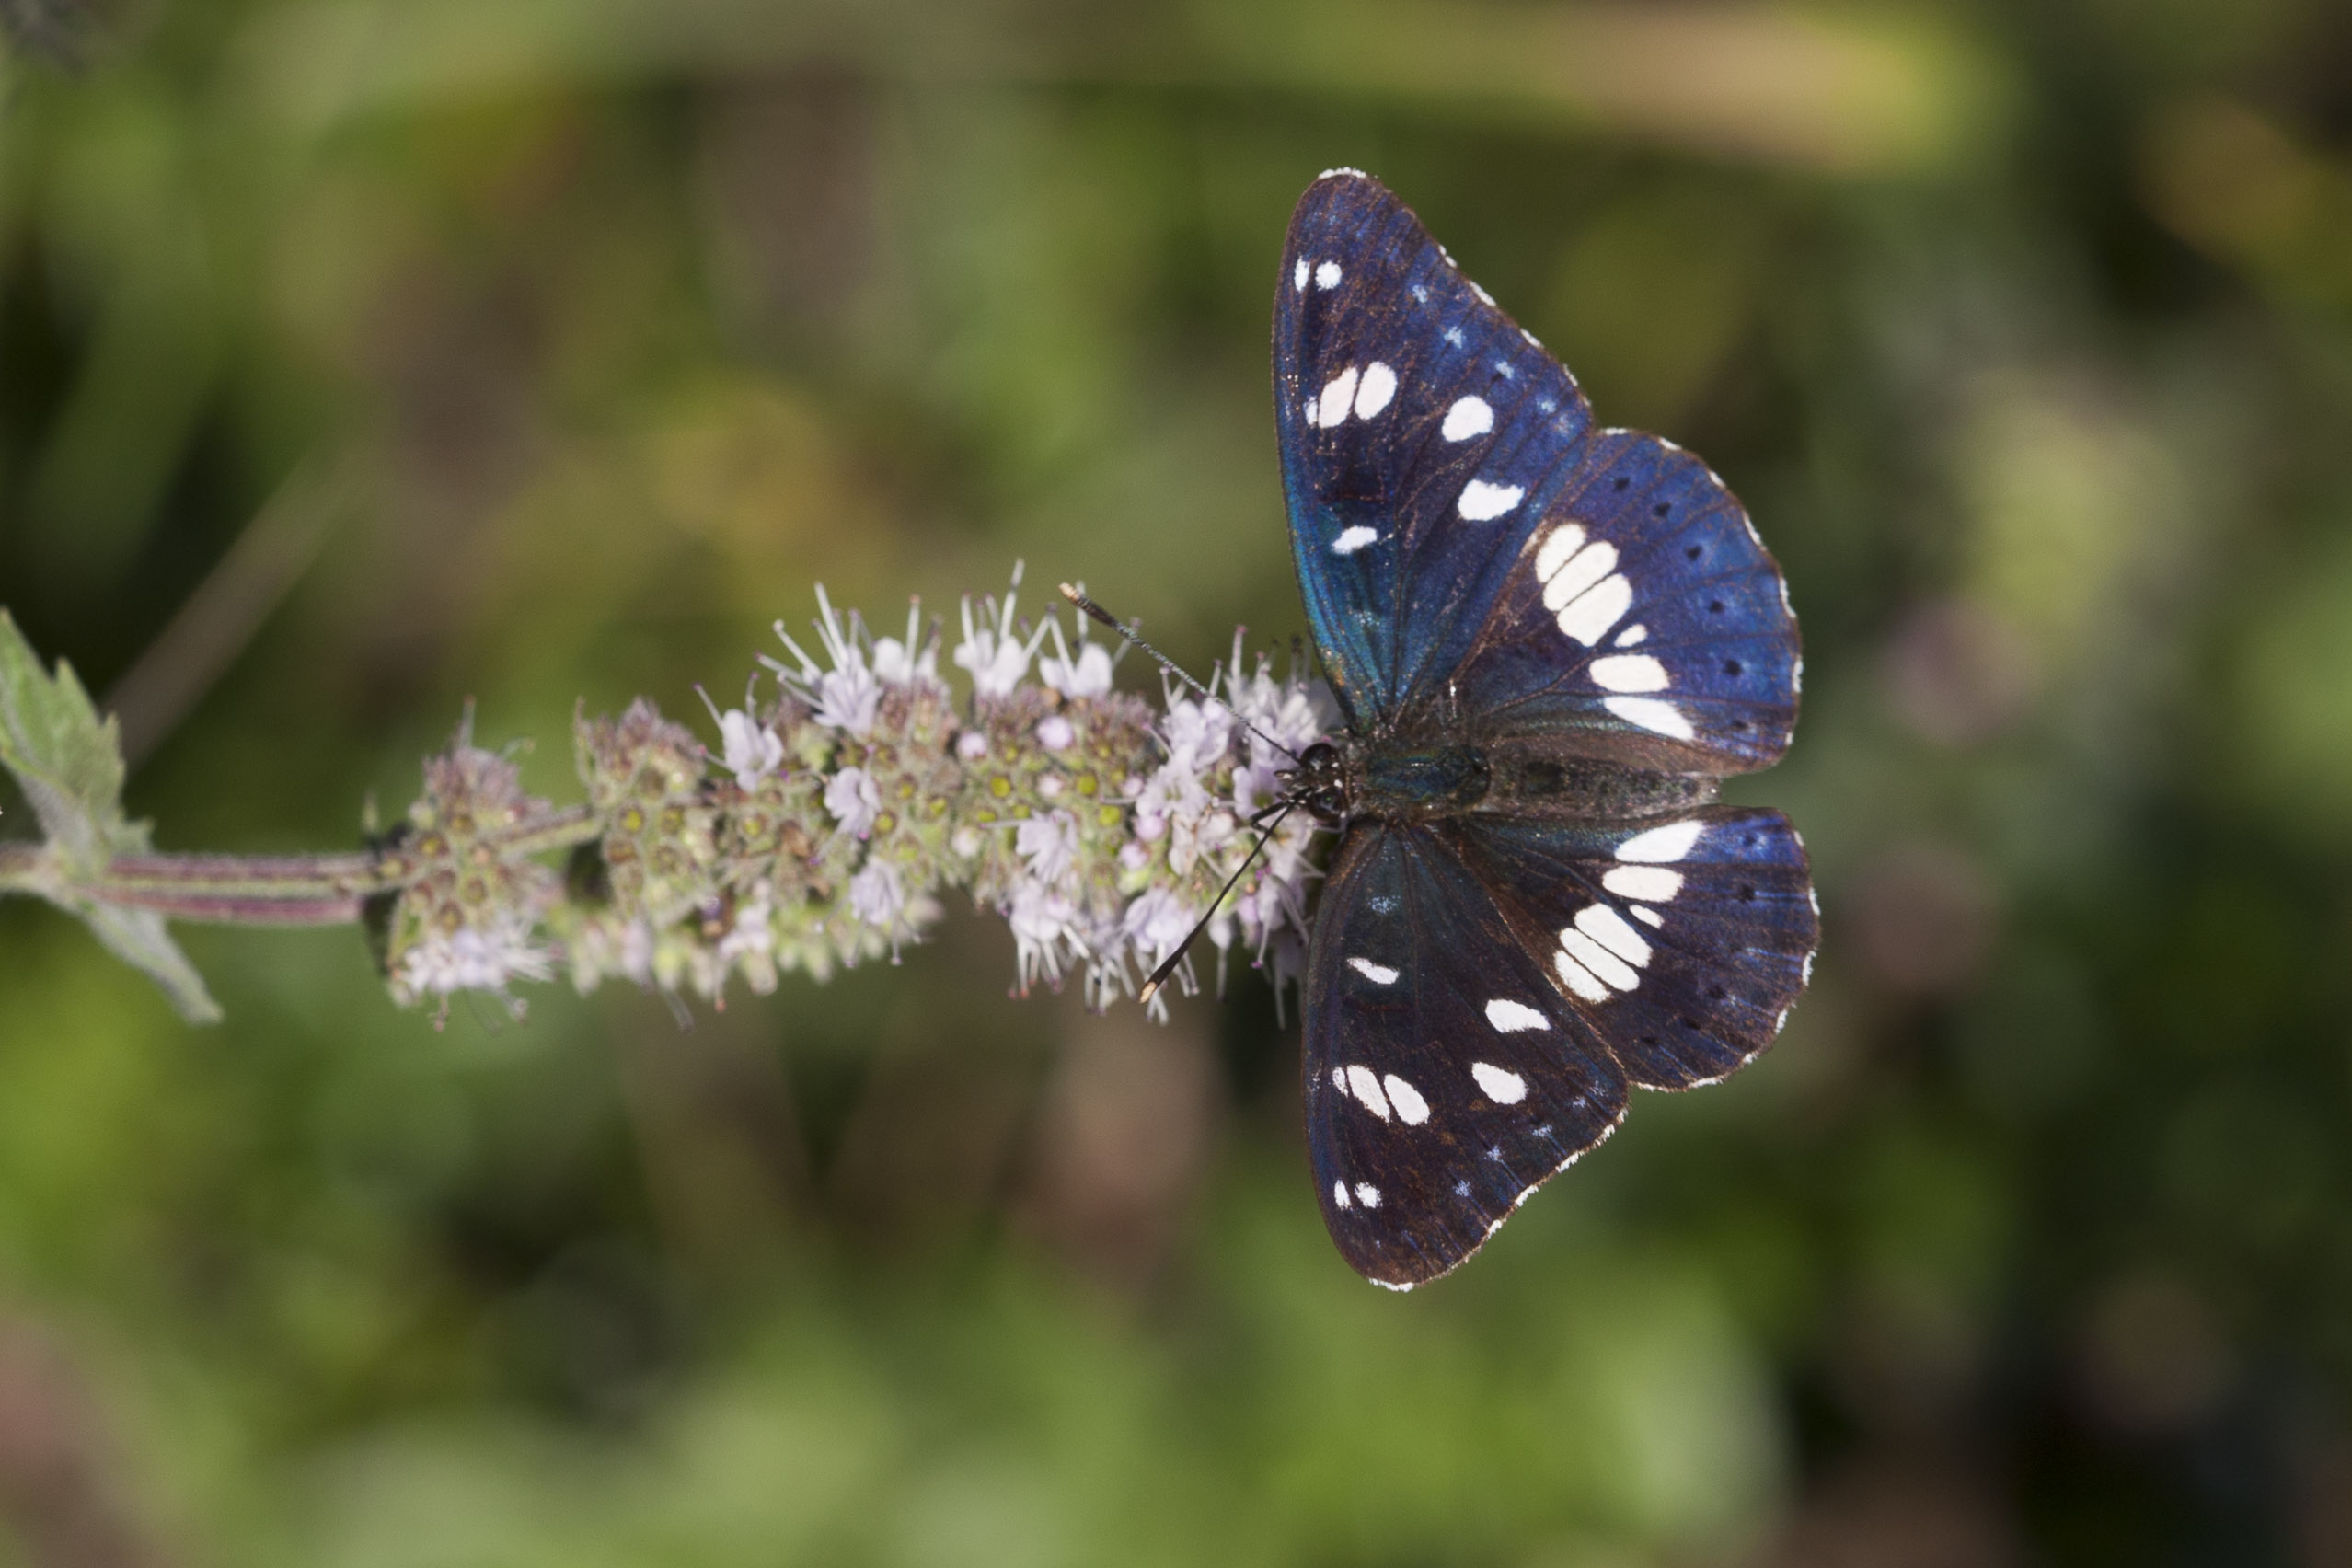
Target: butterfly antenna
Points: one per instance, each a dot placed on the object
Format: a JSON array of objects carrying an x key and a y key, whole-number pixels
[
  {"x": 1167, "y": 966},
  {"x": 1097, "y": 613}
]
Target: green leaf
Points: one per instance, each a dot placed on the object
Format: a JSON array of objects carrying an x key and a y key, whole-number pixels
[{"x": 69, "y": 763}]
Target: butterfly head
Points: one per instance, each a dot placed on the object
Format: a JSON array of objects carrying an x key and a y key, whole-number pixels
[{"x": 1319, "y": 784}]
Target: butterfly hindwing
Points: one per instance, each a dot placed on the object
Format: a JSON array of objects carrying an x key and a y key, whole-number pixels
[
  {"x": 1643, "y": 622},
  {"x": 1447, "y": 1078},
  {"x": 1423, "y": 435},
  {"x": 1682, "y": 944}
]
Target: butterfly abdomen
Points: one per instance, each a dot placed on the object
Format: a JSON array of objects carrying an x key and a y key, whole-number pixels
[{"x": 1531, "y": 778}]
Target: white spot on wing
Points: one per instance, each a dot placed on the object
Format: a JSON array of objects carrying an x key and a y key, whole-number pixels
[
  {"x": 1630, "y": 672},
  {"x": 1509, "y": 1017},
  {"x": 1499, "y": 1084},
  {"x": 1607, "y": 926},
  {"x": 1330, "y": 410},
  {"x": 1580, "y": 979},
  {"x": 1369, "y": 1196},
  {"x": 1655, "y": 884},
  {"x": 1353, "y": 539},
  {"x": 1577, "y": 574},
  {"x": 1649, "y": 713},
  {"x": 1632, "y": 636},
  {"x": 1339, "y": 1189},
  {"x": 1299, "y": 275},
  {"x": 1598, "y": 960},
  {"x": 1597, "y": 609},
  {"x": 1647, "y": 915},
  {"x": 1327, "y": 275},
  {"x": 1558, "y": 545},
  {"x": 1484, "y": 298},
  {"x": 1412, "y": 1110},
  {"x": 1468, "y": 417},
  {"x": 1366, "y": 1085},
  {"x": 1481, "y": 500},
  {"x": 1379, "y": 385},
  {"x": 1381, "y": 975},
  {"x": 1663, "y": 846}
]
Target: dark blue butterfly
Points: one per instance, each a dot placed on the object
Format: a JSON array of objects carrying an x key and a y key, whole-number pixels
[{"x": 1549, "y": 642}]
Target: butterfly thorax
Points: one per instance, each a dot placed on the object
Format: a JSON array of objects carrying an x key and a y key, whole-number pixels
[{"x": 1397, "y": 779}]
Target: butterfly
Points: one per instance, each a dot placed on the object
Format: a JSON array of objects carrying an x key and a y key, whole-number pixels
[{"x": 1549, "y": 643}]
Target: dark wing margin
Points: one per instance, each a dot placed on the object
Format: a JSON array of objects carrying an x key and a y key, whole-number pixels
[
  {"x": 1644, "y": 621},
  {"x": 1423, "y": 435},
  {"x": 1446, "y": 1077},
  {"x": 1482, "y": 992}
]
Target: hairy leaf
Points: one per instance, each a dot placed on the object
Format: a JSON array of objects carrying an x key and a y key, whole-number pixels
[{"x": 68, "y": 761}]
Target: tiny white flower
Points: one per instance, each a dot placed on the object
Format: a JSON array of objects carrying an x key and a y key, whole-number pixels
[
  {"x": 996, "y": 656},
  {"x": 1044, "y": 926},
  {"x": 965, "y": 842},
  {"x": 475, "y": 958},
  {"x": 1155, "y": 922},
  {"x": 1055, "y": 733},
  {"x": 1085, "y": 673},
  {"x": 847, "y": 695},
  {"x": 753, "y": 933},
  {"x": 972, "y": 746},
  {"x": 753, "y": 751},
  {"x": 876, "y": 895},
  {"x": 853, "y": 800},
  {"x": 917, "y": 659},
  {"x": 1050, "y": 845}
]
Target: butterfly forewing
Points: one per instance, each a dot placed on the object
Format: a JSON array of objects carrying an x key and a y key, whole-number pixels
[
  {"x": 1423, "y": 435},
  {"x": 1644, "y": 621},
  {"x": 1445, "y": 1076}
]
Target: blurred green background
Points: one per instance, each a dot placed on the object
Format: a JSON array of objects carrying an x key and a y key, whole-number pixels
[{"x": 359, "y": 357}]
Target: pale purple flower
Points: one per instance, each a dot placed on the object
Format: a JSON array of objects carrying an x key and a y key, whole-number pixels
[
  {"x": 1045, "y": 924},
  {"x": 1155, "y": 922},
  {"x": 752, "y": 750},
  {"x": 917, "y": 659},
  {"x": 1055, "y": 733},
  {"x": 996, "y": 656},
  {"x": 853, "y": 800},
  {"x": 877, "y": 896},
  {"x": 1050, "y": 845},
  {"x": 1085, "y": 673},
  {"x": 475, "y": 958},
  {"x": 847, "y": 695}
]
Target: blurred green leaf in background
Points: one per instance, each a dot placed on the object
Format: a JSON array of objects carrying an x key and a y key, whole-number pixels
[{"x": 365, "y": 356}]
